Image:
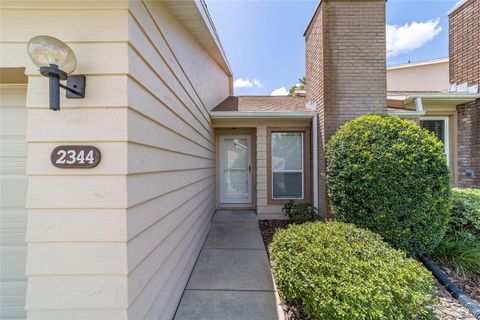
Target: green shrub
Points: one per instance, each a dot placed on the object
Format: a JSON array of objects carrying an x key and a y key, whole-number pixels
[
  {"x": 460, "y": 250},
  {"x": 390, "y": 176},
  {"x": 460, "y": 253},
  {"x": 300, "y": 212},
  {"x": 465, "y": 211},
  {"x": 338, "y": 271}
]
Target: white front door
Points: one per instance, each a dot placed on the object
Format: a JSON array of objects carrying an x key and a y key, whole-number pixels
[{"x": 235, "y": 169}]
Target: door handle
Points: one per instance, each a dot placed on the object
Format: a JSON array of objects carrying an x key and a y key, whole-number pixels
[{"x": 249, "y": 168}]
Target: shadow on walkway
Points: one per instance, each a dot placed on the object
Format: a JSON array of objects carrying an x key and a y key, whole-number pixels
[{"x": 231, "y": 278}]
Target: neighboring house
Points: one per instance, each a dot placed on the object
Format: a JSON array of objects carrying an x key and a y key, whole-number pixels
[
  {"x": 443, "y": 95},
  {"x": 119, "y": 241}
]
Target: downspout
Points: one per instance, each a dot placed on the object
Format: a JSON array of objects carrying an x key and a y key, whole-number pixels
[
  {"x": 419, "y": 105},
  {"x": 315, "y": 159}
]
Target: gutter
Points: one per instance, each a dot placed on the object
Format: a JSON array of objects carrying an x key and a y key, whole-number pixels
[
  {"x": 261, "y": 115},
  {"x": 446, "y": 96}
]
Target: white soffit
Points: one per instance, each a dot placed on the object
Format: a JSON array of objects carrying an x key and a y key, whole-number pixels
[{"x": 193, "y": 14}]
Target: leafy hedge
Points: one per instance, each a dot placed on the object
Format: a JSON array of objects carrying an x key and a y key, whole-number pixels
[
  {"x": 300, "y": 212},
  {"x": 465, "y": 211},
  {"x": 460, "y": 250},
  {"x": 390, "y": 176},
  {"x": 338, "y": 271}
]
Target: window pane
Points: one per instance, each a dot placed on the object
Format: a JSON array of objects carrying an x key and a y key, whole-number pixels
[
  {"x": 435, "y": 126},
  {"x": 287, "y": 151},
  {"x": 287, "y": 185}
]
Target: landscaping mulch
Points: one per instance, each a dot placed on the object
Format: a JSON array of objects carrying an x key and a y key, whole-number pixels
[
  {"x": 448, "y": 307},
  {"x": 268, "y": 229},
  {"x": 470, "y": 284}
]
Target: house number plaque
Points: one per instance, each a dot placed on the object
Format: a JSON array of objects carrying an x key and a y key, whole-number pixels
[{"x": 76, "y": 157}]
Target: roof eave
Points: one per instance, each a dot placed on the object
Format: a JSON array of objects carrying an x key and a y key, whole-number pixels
[
  {"x": 418, "y": 64},
  {"x": 456, "y": 6},
  {"x": 207, "y": 35},
  {"x": 311, "y": 19},
  {"x": 262, "y": 114}
]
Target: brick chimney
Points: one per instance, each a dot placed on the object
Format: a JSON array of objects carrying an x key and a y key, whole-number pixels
[
  {"x": 464, "y": 47},
  {"x": 345, "y": 68}
]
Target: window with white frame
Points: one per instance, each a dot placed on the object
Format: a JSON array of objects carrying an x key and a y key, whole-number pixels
[
  {"x": 439, "y": 126},
  {"x": 287, "y": 165}
]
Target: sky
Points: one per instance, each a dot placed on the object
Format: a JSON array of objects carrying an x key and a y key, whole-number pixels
[{"x": 265, "y": 47}]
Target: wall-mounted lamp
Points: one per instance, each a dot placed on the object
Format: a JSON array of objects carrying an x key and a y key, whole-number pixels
[{"x": 56, "y": 61}]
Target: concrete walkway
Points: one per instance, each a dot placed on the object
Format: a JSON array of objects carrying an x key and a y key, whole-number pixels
[{"x": 231, "y": 279}]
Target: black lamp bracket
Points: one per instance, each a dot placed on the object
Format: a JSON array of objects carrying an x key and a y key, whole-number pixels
[{"x": 75, "y": 88}]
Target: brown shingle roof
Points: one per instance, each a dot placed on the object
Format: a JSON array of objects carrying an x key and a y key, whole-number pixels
[{"x": 263, "y": 103}]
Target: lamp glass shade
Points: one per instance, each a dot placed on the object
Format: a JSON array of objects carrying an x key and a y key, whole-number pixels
[{"x": 45, "y": 51}]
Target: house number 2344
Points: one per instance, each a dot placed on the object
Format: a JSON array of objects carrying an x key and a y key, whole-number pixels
[{"x": 75, "y": 157}]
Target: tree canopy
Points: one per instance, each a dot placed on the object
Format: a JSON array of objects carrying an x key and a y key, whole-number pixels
[{"x": 302, "y": 82}]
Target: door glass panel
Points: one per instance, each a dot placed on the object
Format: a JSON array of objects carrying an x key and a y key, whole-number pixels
[
  {"x": 236, "y": 186},
  {"x": 237, "y": 153},
  {"x": 235, "y": 171}
]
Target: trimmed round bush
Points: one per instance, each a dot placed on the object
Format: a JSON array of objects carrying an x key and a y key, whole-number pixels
[
  {"x": 390, "y": 176},
  {"x": 335, "y": 270}
]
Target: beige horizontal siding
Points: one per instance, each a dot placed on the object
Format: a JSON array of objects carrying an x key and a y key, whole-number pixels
[
  {"x": 109, "y": 164},
  {"x": 89, "y": 192},
  {"x": 191, "y": 58},
  {"x": 76, "y": 292},
  {"x": 97, "y": 314},
  {"x": 145, "y": 215},
  {"x": 150, "y": 104},
  {"x": 117, "y": 241},
  {"x": 76, "y": 230},
  {"x": 171, "y": 181},
  {"x": 69, "y": 25},
  {"x": 70, "y": 4},
  {"x": 103, "y": 91},
  {"x": 76, "y": 225},
  {"x": 152, "y": 80}
]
